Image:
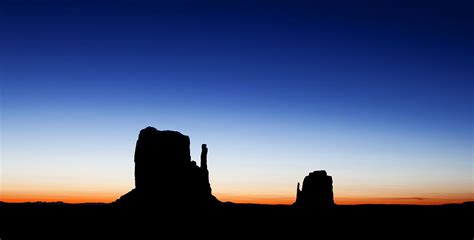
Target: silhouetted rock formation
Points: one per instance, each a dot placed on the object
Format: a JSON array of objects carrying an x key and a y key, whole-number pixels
[
  {"x": 316, "y": 192},
  {"x": 165, "y": 174},
  {"x": 204, "y": 156}
]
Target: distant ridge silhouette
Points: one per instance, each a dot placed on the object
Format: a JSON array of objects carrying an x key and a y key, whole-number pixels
[{"x": 165, "y": 174}]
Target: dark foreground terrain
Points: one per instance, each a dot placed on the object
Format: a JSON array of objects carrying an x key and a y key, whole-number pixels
[{"x": 246, "y": 221}]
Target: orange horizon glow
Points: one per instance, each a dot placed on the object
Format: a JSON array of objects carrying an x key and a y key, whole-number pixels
[
  {"x": 50, "y": 196},
  {"x": 353, "y": 200},
  {"x": 254, "y": 199}
]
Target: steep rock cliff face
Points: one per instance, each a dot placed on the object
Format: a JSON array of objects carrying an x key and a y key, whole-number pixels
[{"x": 165, "y": 174}]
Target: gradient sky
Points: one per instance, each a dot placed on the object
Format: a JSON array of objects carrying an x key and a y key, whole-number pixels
[{"x": 379, "y": 95}]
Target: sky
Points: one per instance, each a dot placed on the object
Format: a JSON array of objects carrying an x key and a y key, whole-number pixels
[{"x": 379, "y": 94}]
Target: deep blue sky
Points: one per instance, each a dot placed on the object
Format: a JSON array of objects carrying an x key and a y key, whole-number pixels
[{"x": 379, "y": 94}]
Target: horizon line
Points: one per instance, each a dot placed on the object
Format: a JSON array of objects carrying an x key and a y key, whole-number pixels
[{"x": 256, "y": 200}]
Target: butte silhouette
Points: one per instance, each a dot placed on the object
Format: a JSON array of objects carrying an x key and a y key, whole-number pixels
[
  {"x": 165, "y": 175},
  {"x": 317, "y": 191}
]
